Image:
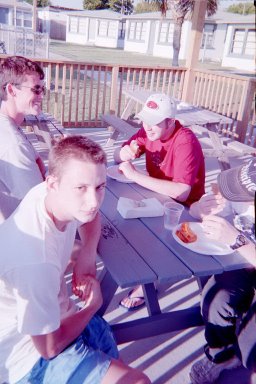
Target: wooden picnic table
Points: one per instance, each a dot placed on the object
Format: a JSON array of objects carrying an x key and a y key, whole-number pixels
[
  {"x": 45, "y": 127},
  {"x": 187, "y": 114},
  {"x": 141, "y": 251}
]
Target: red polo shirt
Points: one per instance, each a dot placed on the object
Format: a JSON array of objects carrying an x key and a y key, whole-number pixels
[{"x": 179, "y": 159}]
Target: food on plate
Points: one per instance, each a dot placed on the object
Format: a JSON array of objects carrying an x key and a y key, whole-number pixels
[
  {"x": 186, "y": 234},
  {"x": 134, "y": 147},
  {"x": 215, "y": 188}
]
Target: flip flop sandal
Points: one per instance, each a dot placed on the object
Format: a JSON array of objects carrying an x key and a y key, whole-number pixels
[{"x": 136, "y": 307}]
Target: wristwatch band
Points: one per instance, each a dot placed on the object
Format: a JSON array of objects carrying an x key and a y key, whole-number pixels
[{"x": 240, "y": 241}]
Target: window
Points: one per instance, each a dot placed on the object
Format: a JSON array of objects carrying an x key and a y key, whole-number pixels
[
  {"x": 250, "y": 43},
  {"x": 137, "y": 31},
  {"x": 18, "y": 19},
  {"x": 107, "y": 28},
  {"x": 166, "y": 33},
  {"x": 243, "y": 42},
  {"x": 82, "y": 25},
  {"x": 4, "y": 15},
  {"x": 23, "y": 19},
  {"x": 27, "y": 20},
  {"x": 208, "y": 36},
  {"x": 73, "y": 24}
]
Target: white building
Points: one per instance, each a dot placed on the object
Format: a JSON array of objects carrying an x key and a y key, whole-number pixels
[
  {"x": 227, "y": 38},
  {"x": 102, "y": 28},
  {"x": 16, "y": 14},
  {"x": 53, "y": 20}
]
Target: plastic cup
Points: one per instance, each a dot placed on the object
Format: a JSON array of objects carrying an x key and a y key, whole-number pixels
[{"x": 172, "y": 214}]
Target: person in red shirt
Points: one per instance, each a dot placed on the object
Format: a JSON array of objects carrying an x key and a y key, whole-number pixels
[{"x": 174, "y": 161}]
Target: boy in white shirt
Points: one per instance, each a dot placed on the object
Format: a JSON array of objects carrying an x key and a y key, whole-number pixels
[{"x": 44, "y": 337}]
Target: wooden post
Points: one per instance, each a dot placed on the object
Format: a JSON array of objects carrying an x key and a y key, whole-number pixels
[
  {"x": 14, "y": 13},
  {"x": 34, "y": 16},
  {"x": 243, "y": 117},
  {"x": 114, "y": 90},
  {"x": 198, "y": 19}
]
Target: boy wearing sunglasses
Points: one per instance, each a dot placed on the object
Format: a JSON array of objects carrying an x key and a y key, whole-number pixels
[{"x": 21, "y": 93}]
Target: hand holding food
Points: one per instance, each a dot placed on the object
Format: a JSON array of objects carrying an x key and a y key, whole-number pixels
[
  {"x": 186, "y": 234},
  {"x": 134, "y": 147},
  {"x": 89, "y": 291},
  {"x": 128, "y": 152}
]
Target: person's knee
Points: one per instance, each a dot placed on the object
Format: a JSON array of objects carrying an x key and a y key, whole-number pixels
[
  {"x": 217, "y": 309},
  {"x": 135, "y": 376},
  {"x": 138, "y": 378},
  {"x": 249, "y": 361},
  {"x": 120, "y": 373}
]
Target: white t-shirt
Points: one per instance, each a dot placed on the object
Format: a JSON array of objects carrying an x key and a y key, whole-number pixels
[
  {"x": 19, "y": 171},
  {"x": 33, "y": 293}
]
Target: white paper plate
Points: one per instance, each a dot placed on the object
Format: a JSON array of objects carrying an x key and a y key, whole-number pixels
[
  {"x": 114, "y": 173},
  {"x": 203, "y": 244}
]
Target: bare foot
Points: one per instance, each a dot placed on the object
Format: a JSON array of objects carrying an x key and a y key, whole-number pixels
[{"x": 134, "y": 300}]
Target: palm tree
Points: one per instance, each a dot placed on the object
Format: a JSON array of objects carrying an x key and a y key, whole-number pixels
[{"x": 179, "y": 9}]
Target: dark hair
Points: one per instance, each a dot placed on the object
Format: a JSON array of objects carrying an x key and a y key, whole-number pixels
[
  {"x": 74, "y": 147},
  {"x": 14, "y": 70}
]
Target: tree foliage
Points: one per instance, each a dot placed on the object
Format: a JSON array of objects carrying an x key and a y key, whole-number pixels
[
  {"x": 122, "y": 6},
  {"x": 242, "y": 8},
  {"x": 179, "y": 9},
  {"x": 95, "y": 4},
  {"x": 182, "y": 7},
  {"x": 40, "y": 3},
  {"x": 147, "y": 7}
]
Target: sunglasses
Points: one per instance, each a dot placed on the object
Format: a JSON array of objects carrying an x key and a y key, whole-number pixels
[{"x": 37, "y": 89}]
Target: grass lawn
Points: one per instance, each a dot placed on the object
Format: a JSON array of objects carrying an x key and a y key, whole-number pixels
[{"x": 75, "y": 52}]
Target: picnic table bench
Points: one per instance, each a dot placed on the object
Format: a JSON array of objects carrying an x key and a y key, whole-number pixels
[{"x": 118, "y": 125}]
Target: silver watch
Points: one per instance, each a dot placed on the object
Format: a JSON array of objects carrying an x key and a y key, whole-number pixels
[{"x": 240, "y": 241}]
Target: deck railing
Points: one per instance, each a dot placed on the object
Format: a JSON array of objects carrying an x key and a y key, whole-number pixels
[
  {"x": 78, "y": 93},
  {"x": 230, "y": 95}
]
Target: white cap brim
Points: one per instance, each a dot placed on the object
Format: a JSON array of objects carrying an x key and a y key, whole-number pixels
[{"x": 150, "y": 119}]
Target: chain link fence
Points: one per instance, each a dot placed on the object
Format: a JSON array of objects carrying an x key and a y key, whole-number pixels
[{"x": 23, "y": 42}]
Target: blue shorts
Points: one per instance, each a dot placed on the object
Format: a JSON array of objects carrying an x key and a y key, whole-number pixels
[{"x": 85, "y": 361}]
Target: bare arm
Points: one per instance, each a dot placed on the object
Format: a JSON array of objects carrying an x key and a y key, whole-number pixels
[
  {"x": 178, "y": 191},
  {"x": 50, "y": 345},
  {"x": 86, "y": 251}
]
